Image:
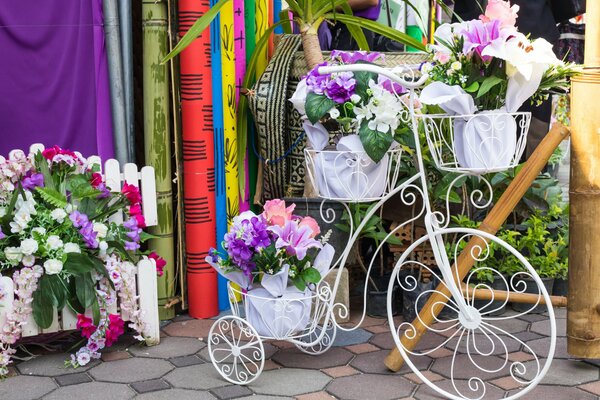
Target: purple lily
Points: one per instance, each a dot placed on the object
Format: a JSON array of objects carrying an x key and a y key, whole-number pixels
[
  {"x": 479, "y": 35},
  {"x": 295, "y": 239},
  {"x": 31, "y": 181}
]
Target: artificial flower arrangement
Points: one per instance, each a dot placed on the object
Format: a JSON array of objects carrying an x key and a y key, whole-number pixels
[
  {"x": 274, "y": 257},
  {"x": 361, "y": 103},
  {"x": 60, "y": 247},
  {"x": 487, "y": 67}
]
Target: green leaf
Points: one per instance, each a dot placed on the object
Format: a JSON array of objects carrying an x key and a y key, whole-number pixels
[
  {"x": 488, "y": 84},
  {"x": 58, "y": 290},
  {"x": 78, "y": 263},
  {"x": 144, "y": 236},
  {"x": 472, "y": 88},
  {"x": 121, "y": 249},
  {"x": 362, "y": 82},
  {"x": 96, "y": 313},
  {"x": 43, "y": 311},
  {"x": 299, "y": 283},
  {"x": 317, "y": 105},
  {"x": 311, "y": 275},
  {"x": 52, "y": 196},
  {"x": 42, "y": 166},
  {"x": 80, "y": 187},
  {"x": 376, "y": 143},
  {"x": 85, "y": 290}
]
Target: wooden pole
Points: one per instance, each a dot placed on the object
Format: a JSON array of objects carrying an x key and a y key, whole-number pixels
[
  {"x": 490, "y": 224},
  {"x": 583, "y": 311},
  {"x": 157, "y": 141},
  {"x": 502, "y": 295}
]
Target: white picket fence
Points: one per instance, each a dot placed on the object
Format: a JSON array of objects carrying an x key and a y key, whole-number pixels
[{"x": 146, "y": 280}]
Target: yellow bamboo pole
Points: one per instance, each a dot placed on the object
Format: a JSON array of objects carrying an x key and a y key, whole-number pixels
[
  {"x": 494, "y": 220},
  {"x": 502, "y": 295},
  {"x": 583, "y": 311}
]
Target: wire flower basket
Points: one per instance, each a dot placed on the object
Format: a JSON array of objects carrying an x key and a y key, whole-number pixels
[
  {"x": 352, "y": 176},
  {"x": 490, "y": 141}
]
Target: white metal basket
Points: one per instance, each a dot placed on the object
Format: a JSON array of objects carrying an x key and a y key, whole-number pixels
[
  {"x": 351, "y": 176},
  {"x": 490, "y": 141}
]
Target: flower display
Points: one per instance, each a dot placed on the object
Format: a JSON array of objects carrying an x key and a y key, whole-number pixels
[
  {"x": 62, "y": 250},
  {"x": 266, "y": 243},
  {"x": 358, "y": 102}
]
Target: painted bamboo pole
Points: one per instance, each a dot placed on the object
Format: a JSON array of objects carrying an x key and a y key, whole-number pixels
[
  {"x": 127, "y": 56},
  {"x": 115, "y": 74},
  {"x": 492, "y": 222},
  {"x": 261, "y": 14},
  {"x": 239, "y": 45},
  {"x": 250, "y": 21},
  {"x": 583, "y": 311},
  {"x": 157, "y": 140}
]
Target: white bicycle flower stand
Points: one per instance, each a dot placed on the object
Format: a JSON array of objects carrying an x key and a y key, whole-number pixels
[{"x": 477, "y": 344}]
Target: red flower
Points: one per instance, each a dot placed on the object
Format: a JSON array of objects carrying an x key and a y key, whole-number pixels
[
  {"x": 86, "y": 325},
  {"x": 132, "y": 193},
  {"x": 96, "y": 179},
  {"x": 160, "y": 262},
  {"x": 51, "y": 152},
  {"x": 116, "y": 327}
]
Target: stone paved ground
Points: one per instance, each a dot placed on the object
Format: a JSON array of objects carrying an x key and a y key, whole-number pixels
[{"x": 179, "y": 369}]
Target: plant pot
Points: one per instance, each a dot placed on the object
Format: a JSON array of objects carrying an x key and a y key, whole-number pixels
[
  {"x": 531, "y": 287},
  {"x": 498, "y": 306},
  {"x": 560, "y": 287},
  {"x": 410, "y": 307},
  {"x": 377, "y": 300}
]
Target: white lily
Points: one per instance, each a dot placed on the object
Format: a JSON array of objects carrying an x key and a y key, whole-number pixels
[{"x": 298, "y": 99}]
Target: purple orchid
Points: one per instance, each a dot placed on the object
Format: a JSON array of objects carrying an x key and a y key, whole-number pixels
[
  {"x": 89, "y": 236},
  {"x": 78, "y": 219},
  {"x": 2, "y": 235},
  {"x": 315, "y": 82},
  {"x": 341, "y": 88},
  {"x": 31, "y": 181},
  {"x": 295, "y": 239},
  {"x": 478, "y": 35},
  {"x": 131, "y": 246},
  {"x": 352, "y": 57},
  {"x": 392, "y": 87},
  {"x": 105, "y": 191}
]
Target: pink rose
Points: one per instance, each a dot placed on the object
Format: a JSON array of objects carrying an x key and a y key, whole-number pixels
[
  {"x": 502, "y": 11},
  {"x": 276, "y": 213},
  {"x": 312, "y": 224},
  {"x": 442, "y": 57}
]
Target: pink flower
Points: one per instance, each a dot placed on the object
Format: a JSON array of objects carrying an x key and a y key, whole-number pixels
[
  {"x": 295, "y": 239},
  {"x": 160, "y": 262},
  {"x": 115, "y": 329},
  {"x": 132, "y": 193},
  {"x": 276, "y": 213},
  {"x": 441, "y": 57},
  {"x": 502, "y": 11},
  {"x": 96, "y": 179},
  {"x": 312, "y": 224},
  {"x": 86, "y": 325}
]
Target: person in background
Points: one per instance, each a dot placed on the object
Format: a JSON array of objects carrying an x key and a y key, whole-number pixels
[
  {"x": 337, "y": 36},
  {"x": 535, "y": 18}
]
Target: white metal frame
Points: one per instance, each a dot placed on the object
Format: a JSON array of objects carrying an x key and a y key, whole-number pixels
[{"x": 146, "y": 279}]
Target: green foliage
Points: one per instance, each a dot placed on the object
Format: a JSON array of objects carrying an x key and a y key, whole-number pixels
[
  {"x": 43, "y": 310},
  {"x": 317, "y": 106},
  {"x": 373, "y": 229},
  {"x": 376, "y": 143},
  {"x": 52, "y": 196}
]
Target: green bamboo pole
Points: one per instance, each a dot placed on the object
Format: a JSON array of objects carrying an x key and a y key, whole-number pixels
[{"x": 157, "y": 140}]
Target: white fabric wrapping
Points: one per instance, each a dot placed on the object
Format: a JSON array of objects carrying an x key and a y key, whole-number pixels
[
  {"x": 277, "y": 283},
  {"x": 323, "y": 260},
  {"x": 317, "y": 134},
  {"x": 278, "y": 317},
  {"x": 350, "y": 173},
  {"x": 237, "y": 277}
]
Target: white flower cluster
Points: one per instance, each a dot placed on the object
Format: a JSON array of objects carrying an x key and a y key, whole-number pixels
[
  {"x": 25, "y": 208},
  {"x": 382, "y": 111}
]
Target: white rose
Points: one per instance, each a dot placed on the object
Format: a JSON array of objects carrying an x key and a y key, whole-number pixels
[
  {"x": 40, "y": 230},
  {"x": 299, "y": 97},
  {"x": 29, "y": 246},
  {"x": 456, "y": 65},
  {"x": 100, "y": 229},
  {"x": 53, "y": 266},
  {"x": 59, "y": 215},
  {"x": 54, "y": 242},
  {"x": 355, "y": 98},
  {"x": 28, "y": 261},
  {"x": 13, "y": 254},
  {"x": 71, "y": 248},
  {"x": 334, "y": 113},
  {"x": 426, "y": 68},
  {"x": 69, "y": 208}
]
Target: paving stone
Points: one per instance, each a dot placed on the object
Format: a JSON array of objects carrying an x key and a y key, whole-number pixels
[
  {"x": 115, "y": 356},
  {"x": 346, "y": 338},
  {"x": 231, "y": 392},
  {"x": 541, "y": 346},
  {"x": 270, "y": 364},
  {"x": 520, "y": 356},
  {"x": 507, "y": 383},
  {"x": 362, "y": 348},
  {"x": 199, "y": 377},
  {"x": 182, "y": 317},
  {"x": 283, "y": 344},
  {"x": 490, "y": 344},
  {"x": 169, "y": 347},
  {"x": 290, "y": 382},
  {"x": 131, "y": 370},
  {"x": 367, "y": 321},
  {"x": 380, "y": 387},
  {"x": 51, "y": 365},
  {"x": 372, "y": 363},
  {"x": 534, "y": 317},
  {"x": 565, "y": 372},
  {"x": 25, "y": 387},
  {"x": 440, "y": 353},
  {"x": 378, "y": 328},
  {"x": 294, "y": 358},
  {"x": 150, "y": 386},
  {"x": 191, "y": 328},
  {"x": 527, "y": 335},
  {"x": 339, "y": 372},
  {"x": 93, "y": 391},
  {"x": 426, "y": 393},
  {"x": 593, "y": 387},
  {"x": 270, "y": 350},
  {"x": 464, "y": 368},
  {"x": 550, "y": 392},
  {"x": 176, "y": 394},
  {"x": 315, "y": 396},
  {"x": 543, "y": 327},
  {"x": 72, "y": 379},
  {"x": 511, "y": 325},
  {"x": 431, "y": 376},
  {"x": 263, "y": 397},
  {"x": 186, "y": 361},
  {"x": 560, "y": 312}
]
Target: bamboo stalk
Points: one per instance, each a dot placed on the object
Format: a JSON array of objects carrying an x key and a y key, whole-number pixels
[
  {"x": 494, "y": 220},
  {"x": 583, "y": 312},
  {"x": 127, "y": 56},
  {"x": 157, "y": 141},
  {"x": 502, "y": 295},
  {"x": 311, "y": 47}
]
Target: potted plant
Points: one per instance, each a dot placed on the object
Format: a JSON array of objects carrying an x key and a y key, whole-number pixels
[
  {"x": 278, "y": 263},
  {"x": 62, "y": 249}
]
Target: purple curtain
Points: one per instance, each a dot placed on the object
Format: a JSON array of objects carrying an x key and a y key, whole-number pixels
[{"x": 53, "y": 76}]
